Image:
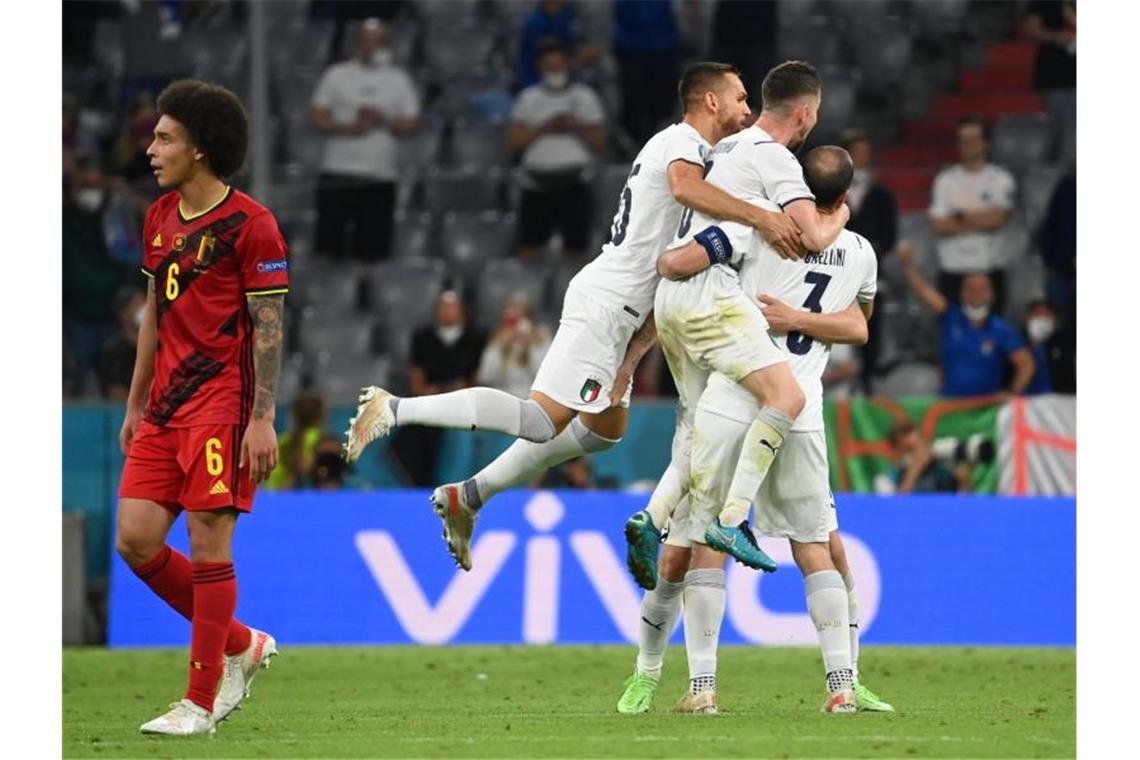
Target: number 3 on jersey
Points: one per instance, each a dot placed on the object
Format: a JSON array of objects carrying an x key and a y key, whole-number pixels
[
  {"x": 621, "y": 218},
  {"x": 798, "y": 343}
]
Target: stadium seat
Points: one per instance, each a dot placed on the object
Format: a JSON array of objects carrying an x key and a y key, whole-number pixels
[
  {"x": 462, "y": 190},
  {"x": 469, "y": 240},
  {"x": 909, "y": 380},
  {"x": 421, "y": 149},
  {"x": 293, "y": 377},
  {"x": 405, "y": 292},
  {"x": 1036, "y": 188},
  {"x": 1026, "y": 283},
  {"x": 883, "y": 51},
  {"x": 325, "y": 331},
  {"x": 479, "y": 145},
  {"x": 457, "y": 50},
  {"x": 940, "y": 17},
  {"x": 838, "y": 108},
  {"x": 1020, "y": 141},
  {"x": 340, "y": 379},
  {"x": 915, "y": 227},
  {"x": 332, "y": 287},
  {"x": 412, "y": 236},
  {"x": 816, "y": 40},
  {"x": 500, "y": 280}
]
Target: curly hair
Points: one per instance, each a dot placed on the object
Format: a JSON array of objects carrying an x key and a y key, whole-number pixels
[{"x": 214, "y": 118}]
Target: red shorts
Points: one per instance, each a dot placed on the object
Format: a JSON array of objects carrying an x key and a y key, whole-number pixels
[{"x": 192, "y": 468}]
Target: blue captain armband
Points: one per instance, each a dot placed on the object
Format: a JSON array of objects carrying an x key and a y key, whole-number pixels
[{"x": 716, "y": 244}]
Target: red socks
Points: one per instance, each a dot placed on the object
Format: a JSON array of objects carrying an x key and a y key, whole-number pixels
[
  {"x": 215, "y": 596},
  {"x": 169, "y": 575}
]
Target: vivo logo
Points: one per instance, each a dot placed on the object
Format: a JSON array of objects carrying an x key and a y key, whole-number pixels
[{"x": 426, "y": 622}]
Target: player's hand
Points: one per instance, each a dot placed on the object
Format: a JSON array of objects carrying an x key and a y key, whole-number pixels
[
  {"x": 907, "y": 253},
  {"x": 622, "y": 380},
  {"x": 781, "y": 232},
  {"x": 259, "y": 450},
  {"x": 781, "y": 318},
  {"x": 130, "y": 426}
]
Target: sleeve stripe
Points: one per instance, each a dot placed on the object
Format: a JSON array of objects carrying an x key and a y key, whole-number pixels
[
  {"x": 687, "y": 161},
  {"x": 271, "y": 292},
  {"x": 785, "y": 204},
  {"x": 147, "y": 272}
]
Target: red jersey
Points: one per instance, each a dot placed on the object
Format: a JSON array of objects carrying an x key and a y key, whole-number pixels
[{"x": 203, "y": 268}]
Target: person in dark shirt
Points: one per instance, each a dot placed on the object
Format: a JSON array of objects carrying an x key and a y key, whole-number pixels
[
  {"x": 875, "y": 216},
  {"x": 117, "y": 356},
  {"x": 1058, "y": 238},
  {"x": 1055, "y": 363},
  {"x": 645, "y": 43},
  {"x": 444, "y": 357},
  {"x": 978, "y": 347},
  {"x": 1053, "y": 26},
  {"x": 550, "y": 18}
]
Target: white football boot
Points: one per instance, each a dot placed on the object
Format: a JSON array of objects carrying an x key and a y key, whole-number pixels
[
  {"x": 373, "y": 420},
  {"x": 450, "y": 504},
  {"x": 239, "y": 671},
  {"x": 184, "y": 719},
  {"x": 840, "y": 702}
]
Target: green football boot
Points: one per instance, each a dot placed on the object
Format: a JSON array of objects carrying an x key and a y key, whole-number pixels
[
  {"x": 638, "y": 695},
  {"x": 740, "y": 544},
  {"x": 642, "y": 540},
  {"x": 868, "y": 701}
]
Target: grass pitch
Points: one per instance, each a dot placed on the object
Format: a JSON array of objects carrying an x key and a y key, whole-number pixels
[{"x": 559, "y": 702}]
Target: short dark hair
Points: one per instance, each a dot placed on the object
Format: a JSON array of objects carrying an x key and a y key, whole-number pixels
[
  {"x": 548, "y": 45},
  {"x": 899, "y": 429},
  {"x": 213, "y": 117},
  {"x": 828, "y": 170},
  {"x": 851, "y": 137},
  {"x": 698, "y": 79},
  {"x": 974, "y": 121},
  {"x": 788, "y": 81}
]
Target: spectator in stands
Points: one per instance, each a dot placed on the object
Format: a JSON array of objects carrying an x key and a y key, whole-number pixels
[
  {"x": 1054, "y": 355},
  {"x": 363, "y": 105},
  {"x": 117, "y": 356},
  {"x": 444, "y": 357},
  {"x": 1053, "y": 26},
  {"x": 135, "y": 137},
  {"x": 550, "y": 19},
  {"x": 559, "y": 127},
  {"x": 1058, "y": 238},
  {"x": 745, "y": 34},
  {"x": 916, "y": 469},
  {"x": 296, "y": 448},
  {"x": 875, "y": 216},
  {"x": 645, "y": 43},
  {"x": 978, "y": 347},
  {"x": 91, "y": 278},
  {"x": 330, "y": 472},
  {"x": 970, "y": 204},
  {"x": 514, "y": 352}
]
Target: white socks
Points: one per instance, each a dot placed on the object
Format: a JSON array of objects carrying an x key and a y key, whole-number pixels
[
  {"x": 761, "y": 443},
  {"x": 524, "y": 460},
  {"x": 853, "y": 621},
  {"x": 476, "y": 409},
  {"x": 659, "y": 611},
  {"x": 704, "y": 612},
  {"x": 827, "y": 605}
]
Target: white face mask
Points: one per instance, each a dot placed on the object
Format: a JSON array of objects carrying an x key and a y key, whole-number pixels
[
  {"x": 448, "y": 335},
  {"x": 89, "y": 198},
  {"x": 381, "y": 57},
  {"x": 556, "y": 80},
  {"x": 976, "y": 313},
  {"x": 1040, "y": 329}
]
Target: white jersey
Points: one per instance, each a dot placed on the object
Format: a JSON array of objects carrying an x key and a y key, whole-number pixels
[
  {"x": 824, "y": 282},
  {"x": 624, "y": 276}
]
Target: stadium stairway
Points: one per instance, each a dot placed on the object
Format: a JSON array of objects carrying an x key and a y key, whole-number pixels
[{"x": 1001, "y": 87}]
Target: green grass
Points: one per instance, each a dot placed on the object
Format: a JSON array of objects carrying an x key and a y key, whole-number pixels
[{"x": 547, "y": 702}]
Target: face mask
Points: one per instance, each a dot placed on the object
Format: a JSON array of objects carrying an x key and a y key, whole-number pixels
[
  {"x": 976, "y": 313},
  {"x": 139, "y": 316},
  {"x": 381, "y": 57},
  {"x": 89, "y": 198},
  {"x": 1040, "y": 329},
  {"x": 556, "y": 80},
  {"x": 861, "y": 177},
  {"x": 448, "y": 335}
]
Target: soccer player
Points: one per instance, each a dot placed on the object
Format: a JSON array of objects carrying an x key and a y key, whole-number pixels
[
  {"x": 836, "y": 289},
  {"x": 606, "y": 324},
  {"x": 198, "y": 435},
  {"x": 705, "y": 322}
]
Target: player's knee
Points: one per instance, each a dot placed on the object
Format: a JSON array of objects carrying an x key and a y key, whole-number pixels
[
  {"x": 672, "y": 566},
  {"x": 590, "y": 441},
  {"x": 136, "y": 546},
  {"x": 535, "y": 424}
]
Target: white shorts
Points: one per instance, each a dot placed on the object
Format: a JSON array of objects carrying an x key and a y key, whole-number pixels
[
  {"x": 707, "y": 324},
  {"x": 579, "y": 368},
  {"x": 794, "y": 501}
]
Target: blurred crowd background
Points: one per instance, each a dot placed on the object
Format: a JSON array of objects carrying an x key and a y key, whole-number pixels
[{"x": 442, "y": 168}]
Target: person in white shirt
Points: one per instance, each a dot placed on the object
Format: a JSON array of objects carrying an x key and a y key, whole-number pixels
[
  {"x": 606, "y": 325},
  {"x": 515, "y": 351},
  {"x": 970, "y": 204},
  {"x": 559, "y": 126},
  {"x": 810, "y": 304},
  {"x": 363, "y": 104}
]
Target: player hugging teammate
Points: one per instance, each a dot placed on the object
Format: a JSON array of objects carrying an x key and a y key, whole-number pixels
[{"x": 198, "y": 435}]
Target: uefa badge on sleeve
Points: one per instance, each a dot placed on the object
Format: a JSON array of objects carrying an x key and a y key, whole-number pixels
[{"x": 590, "y": 390}]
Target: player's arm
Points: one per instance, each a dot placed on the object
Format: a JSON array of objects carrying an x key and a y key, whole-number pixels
[
  {"x": 1023, "y": 368},
  {"x": 847, "y": 326},
  {"x": 690, "y": 188},
  {"x": 933, "y": 300},
  {"x": 638, "y": 347},
  {"x": 144, "y": 369},
  {"x": 986, "y": 220},
  {"x": 818, "y": 231},
  {"x": 324, "y": 121},
  {"x": 259, "y": 446},
  {"x": 708, "y": 247}
]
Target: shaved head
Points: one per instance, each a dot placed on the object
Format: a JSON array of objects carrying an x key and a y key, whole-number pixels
[{"x": 828, "y": 170}]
